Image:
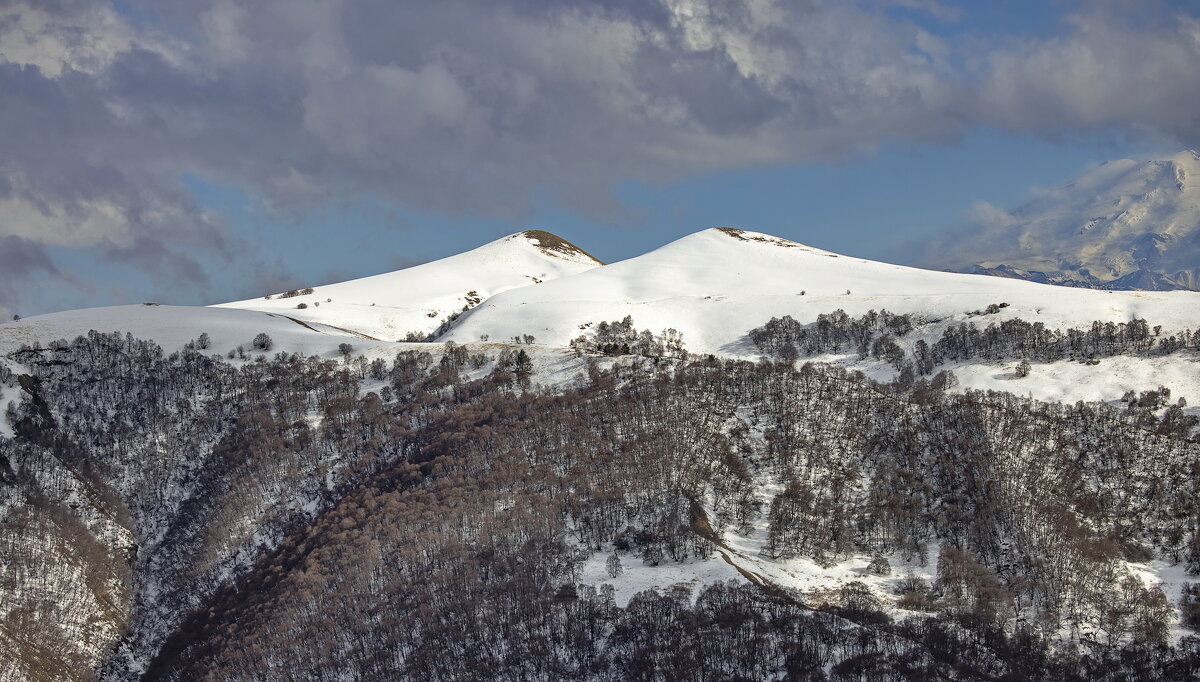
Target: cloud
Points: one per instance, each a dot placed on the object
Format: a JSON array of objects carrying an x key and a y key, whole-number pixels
[
  {"x": 1116, "y": 67},
  {"x": 155, "y": 258},
  {"x": 981, "y": 230},
  {"x": 24, "y": 264},
  {"x": 989, "y": 217},
  {"x": 55, "y": 36},
  {"x": 457, "y": 106},
  {"x": 470, "y": 106},
  {"x": 935, "y": 9}
]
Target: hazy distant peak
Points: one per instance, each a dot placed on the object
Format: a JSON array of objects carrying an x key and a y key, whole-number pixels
[{"x": 1123, "y": 224}]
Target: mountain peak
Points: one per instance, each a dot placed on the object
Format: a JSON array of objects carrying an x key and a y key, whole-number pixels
[
  {"x": 1123, "y": 224},
  {"x": 554, "y": 245},
  {"x": 748, "y": 236},
  {"x": 417, "y": 300},
  {"x": 763, "y": 238}
]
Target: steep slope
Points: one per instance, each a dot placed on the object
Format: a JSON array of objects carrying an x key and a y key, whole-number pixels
[
  {"x": 420, "y": 298},
  {"x": 445, "y": 529},
  {"x": 1124, "y": 225},
  {"x": 715, "y": 285}
]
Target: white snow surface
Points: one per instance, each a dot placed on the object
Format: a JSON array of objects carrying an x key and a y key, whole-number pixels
[
  {"x": 1065, "y": 381},
  {"x": 418, "y": 299},
  {"x": 715, "y": 285},
  {"x": 637, "y": 576},
  {"x": 741, "y": 557},
  {"x": 1170, "y": 579},
  {"x": 174, "y": 326}
]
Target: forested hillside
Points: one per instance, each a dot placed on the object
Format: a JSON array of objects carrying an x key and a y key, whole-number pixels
[{"x": 432, "y": 517}]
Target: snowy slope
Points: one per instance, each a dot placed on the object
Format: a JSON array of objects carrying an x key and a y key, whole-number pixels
[
  {"x": 418, "y": 299},
  {"x": 174, "y": 326},
  {"x": 1125, "y": 224},
  {"x": 715, "y": 285}
]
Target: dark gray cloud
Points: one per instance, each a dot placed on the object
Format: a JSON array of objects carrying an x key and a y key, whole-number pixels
[
  {"x": 155, "y": 258},
  {"x": 469, "y": 105},
  {"x": 1119, "y": 65},
  {"x": 25, "y": 265},
  {"x": 464, "y": 106}
]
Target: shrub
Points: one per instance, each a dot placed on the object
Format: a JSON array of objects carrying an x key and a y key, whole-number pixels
[
  {"x": 879, "y": 566},
  {"x": 1023, "y": 369}
]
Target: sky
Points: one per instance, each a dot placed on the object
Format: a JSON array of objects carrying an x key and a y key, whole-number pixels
[{"x": 198, "y": 151}]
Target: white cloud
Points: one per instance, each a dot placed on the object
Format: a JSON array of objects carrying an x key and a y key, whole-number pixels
[
  {"x": 222, "y": 26},
  {"x": 86, "y": 224},
  {"x": 1110, "y": 69},
  {"x": 87, "y": 40},
  {"x": 989, "y": 216}
]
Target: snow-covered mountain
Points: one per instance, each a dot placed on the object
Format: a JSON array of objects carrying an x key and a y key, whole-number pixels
[
  {"x": 1123, "y": 225},
  {"x": 419, "y": 299},
  {"x": 366, "y": 312},
  {"x": 714, "y": 286}
]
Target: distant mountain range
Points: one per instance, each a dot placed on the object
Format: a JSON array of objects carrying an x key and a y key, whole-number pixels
[{"x": 1123, "y": 225}]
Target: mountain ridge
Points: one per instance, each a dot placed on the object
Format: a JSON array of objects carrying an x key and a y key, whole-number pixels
[
  {"x": 715, "y": 284},
  {"x": 712, "y": 286}
]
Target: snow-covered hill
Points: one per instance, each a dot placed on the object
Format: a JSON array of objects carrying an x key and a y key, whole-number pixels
[
  {"x": 714, "y": 286},
  {"x": 1123, "y": 225},
  {"x": 172, "y": 327},
  {"x": 420, "y": 298}
]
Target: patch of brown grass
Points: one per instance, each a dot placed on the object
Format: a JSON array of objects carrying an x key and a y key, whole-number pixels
[
  {"x": 554, "y": 244},
  {"x": 741, "y": 234}
]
